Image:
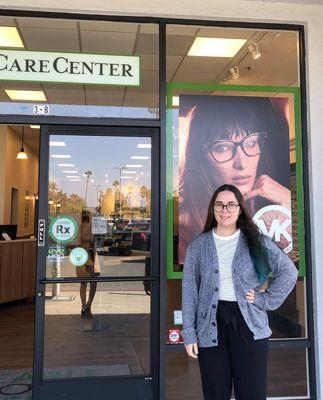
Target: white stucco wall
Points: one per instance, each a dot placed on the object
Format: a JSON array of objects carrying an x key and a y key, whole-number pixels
[{"x": 311, "y": 15}]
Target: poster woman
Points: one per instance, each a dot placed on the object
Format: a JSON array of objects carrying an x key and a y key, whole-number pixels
[{"x": 239, "y": 140}]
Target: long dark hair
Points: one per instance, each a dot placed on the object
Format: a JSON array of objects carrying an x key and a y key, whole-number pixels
[{"x": 250, "y": 230}]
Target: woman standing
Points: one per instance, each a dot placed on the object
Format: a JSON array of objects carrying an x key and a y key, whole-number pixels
[{"x": 225, "y": 323}]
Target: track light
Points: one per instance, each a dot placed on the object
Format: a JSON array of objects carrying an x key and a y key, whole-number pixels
[
  {"x": 254, "y": 50},
  {"x": 234, "y": 71}
]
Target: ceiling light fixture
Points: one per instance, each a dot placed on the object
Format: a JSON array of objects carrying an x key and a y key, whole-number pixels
[
  {"x": 9, "y": 37},
  {"x": 139, "y": 157},
  {"x": 61, "y": 156},
  {"x": 27, "y": 95},
  {"x": 235, "y": 73},
  {"x": 57, "y": 144},
  {"x": 216, "y": 47},
  {"x": 66, "y": 165},
  {"x": 143, "y": 146},
  {"x": 254, "y": 50},
  {"x": 34, "y": 126},
  {"x": 133, "y": 166},
  {"x": 22, "y": 155}
]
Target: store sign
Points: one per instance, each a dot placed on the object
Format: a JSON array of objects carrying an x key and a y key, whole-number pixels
[
  {"x": 38, "y": 66},
  {"x": 63, "y": 229}
]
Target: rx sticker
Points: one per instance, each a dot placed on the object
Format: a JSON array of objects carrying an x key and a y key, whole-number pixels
[{"x": 63, "y": 229}]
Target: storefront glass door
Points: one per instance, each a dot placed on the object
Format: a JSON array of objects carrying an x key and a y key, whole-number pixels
[{"x": 98, "y": 282}]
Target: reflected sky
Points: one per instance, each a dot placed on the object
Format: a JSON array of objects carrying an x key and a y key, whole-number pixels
[{"x": 103, "y": 156}]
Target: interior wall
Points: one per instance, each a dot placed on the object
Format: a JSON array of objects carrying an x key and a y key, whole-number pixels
[{"x": 22, "y": 175}]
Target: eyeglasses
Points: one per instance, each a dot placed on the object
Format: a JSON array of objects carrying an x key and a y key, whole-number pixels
[
  {"x": 230, "y": 207},
  {"x": 224, "y": 150}
]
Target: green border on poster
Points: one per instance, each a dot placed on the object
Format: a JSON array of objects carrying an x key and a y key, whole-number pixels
[{"x": 295, "y": 91}]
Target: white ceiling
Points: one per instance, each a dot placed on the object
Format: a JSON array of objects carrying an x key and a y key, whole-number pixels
[{"x": 277, "y": 66}]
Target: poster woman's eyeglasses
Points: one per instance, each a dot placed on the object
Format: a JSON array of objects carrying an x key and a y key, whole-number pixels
[{"x": 224, "y": 150}]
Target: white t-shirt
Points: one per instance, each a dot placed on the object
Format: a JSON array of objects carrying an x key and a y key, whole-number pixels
[{"x": 226, "y": 247}]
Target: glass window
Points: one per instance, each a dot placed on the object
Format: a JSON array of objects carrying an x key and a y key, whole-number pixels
[
  {"x": 78, "y": 38},
  {"x": 99, "y": 206},
  {"x": 226, "y": 82},
  {"x": 109, "y": 338},
  {"x": 287, "y": 375}
]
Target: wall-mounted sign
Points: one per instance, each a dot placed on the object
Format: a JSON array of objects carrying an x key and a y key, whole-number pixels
[
  {"x": 99, "y": 69},
  {"x": 37, "y": 109},
  {"x": 78, "y": 256},
  {"x": 63, "y": 229}
]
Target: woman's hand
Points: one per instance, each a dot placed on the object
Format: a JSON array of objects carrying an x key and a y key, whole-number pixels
[
  {"x": 271, "y": 190},
  {"x": 192, "y": 350},
  {"x": 250, "y": 296}
]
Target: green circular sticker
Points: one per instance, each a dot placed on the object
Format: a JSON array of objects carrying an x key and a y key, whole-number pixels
[
  {"x": 78, "y": 256},
  {"x": 63, "y": 229}
]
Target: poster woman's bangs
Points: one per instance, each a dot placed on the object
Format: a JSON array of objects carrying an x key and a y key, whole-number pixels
[{"x": 223, "y": 117}]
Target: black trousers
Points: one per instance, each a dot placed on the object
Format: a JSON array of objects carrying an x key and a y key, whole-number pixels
[{"x": 238, "y": 358}]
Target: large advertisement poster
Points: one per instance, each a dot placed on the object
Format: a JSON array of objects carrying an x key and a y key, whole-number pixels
[{"x": 240, "y": 140}]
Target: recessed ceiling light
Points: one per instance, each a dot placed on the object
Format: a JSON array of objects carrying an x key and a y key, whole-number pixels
[
  {"x": 143, "y": 146},
  {"x": 133, "y": 166},
  {"x": 61, "y": 156},
  {"x": 73, "y": 176},
  {"x": 28, "y": 95},
  {"x": 9, "y": 37},
  {"x": 216, "y": 47},
  {"x": 74, "y": 180},
  {"x": 129, "y": 172},
  {"x": 139, "y": 157},
  {"x": 69, "y": 172},
  {"x": 35, "y": 126},
  {"x": 66, "y": 165},
  {"x": 126, "y": 177},
  {"x": 57, "y": 144}
]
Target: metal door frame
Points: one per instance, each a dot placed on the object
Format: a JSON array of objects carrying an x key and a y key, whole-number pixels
[{"x": 116, "y": 387}]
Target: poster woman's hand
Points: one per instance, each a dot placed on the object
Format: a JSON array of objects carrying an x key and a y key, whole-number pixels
[
  {"x": 192, "y": 350},
  {"x": 271, "y": 190}
]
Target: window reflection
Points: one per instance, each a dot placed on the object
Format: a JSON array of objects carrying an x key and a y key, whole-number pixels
[
  {"x": 113, "y": 341},
  {"x": 99, "y": 206}
]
